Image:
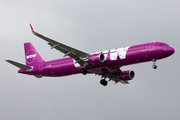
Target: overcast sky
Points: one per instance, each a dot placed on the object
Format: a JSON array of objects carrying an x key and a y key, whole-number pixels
[{"x": 90, "y": 26}]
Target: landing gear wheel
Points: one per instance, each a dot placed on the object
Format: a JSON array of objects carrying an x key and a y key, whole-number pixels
[
  {"x": 83, "y": 71},
  {"x": 103, "y": 82},
  {"x": 154, "y": 66}
]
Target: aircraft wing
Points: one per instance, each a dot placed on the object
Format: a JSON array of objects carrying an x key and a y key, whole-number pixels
[{"x": 77, "y": 55}]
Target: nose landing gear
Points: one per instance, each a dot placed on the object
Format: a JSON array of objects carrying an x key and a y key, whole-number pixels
[{"x": 154, "y": 64}]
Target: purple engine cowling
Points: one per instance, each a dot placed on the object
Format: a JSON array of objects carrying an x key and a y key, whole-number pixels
[
  {"x": 126, "y": 75},
  {"x": 99, "y": 58}
]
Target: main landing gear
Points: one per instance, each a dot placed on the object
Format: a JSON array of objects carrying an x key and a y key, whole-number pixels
[
  {"x": 83, "y": 71},
  {"x": 154, "y": 64},
  {"x": 103, "y": 81}
]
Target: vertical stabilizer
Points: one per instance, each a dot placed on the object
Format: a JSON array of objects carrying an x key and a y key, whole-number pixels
[{"x": 31, "y": 55}]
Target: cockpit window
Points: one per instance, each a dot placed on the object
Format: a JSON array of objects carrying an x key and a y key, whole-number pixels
[{"x": 163, "y": 45}]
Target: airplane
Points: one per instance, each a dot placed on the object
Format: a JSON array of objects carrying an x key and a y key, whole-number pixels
[{"x": 106, "y": 63}]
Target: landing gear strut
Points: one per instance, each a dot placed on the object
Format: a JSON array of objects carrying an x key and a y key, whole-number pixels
[
  {"x": 154, "y": 64},
  {"x": 83, "y": 71},
  {"x": 103, "y": 81}
]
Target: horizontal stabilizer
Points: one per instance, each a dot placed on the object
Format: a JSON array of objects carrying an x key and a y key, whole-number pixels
[
  {"x": 19, "y": 65},
  {"x": 125, "y": 82},
  {"x": 38, "y": 76}
]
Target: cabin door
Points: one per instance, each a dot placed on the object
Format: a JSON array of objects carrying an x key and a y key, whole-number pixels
[
  {"x": 41, "y": 66},
  {"x": 152, "y": 46}
]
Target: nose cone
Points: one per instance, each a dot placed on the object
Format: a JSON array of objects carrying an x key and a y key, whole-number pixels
[{"x": 170, "y": 50}]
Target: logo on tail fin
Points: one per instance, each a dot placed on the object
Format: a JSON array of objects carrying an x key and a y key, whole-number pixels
[{"x": 31, "y": 56}]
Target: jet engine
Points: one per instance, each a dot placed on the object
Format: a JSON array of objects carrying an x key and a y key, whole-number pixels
[
  {"x": 99, "y": 58},
  {"x": 126, "y": 75}
]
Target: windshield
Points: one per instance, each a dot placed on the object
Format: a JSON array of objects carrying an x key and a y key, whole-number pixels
[{"x": 163, "y": 45}]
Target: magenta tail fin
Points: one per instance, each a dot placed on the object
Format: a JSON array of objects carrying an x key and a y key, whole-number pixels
[{"x": 31, "y": 55}]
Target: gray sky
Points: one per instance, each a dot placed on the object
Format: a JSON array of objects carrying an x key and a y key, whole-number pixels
[{"x": 90, "y": 26}]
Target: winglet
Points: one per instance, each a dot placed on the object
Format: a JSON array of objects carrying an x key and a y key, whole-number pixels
[{"x": 32, "y": 29}]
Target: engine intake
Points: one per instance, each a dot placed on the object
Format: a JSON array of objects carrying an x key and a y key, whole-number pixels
[
  {"x": 99, "y": 58},
  {"x": 126, "y": 75}
]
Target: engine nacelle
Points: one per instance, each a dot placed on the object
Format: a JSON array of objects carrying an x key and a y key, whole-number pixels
[
  {"x": 126, "y": 75},
  {"x": 99, "y": 58}
]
